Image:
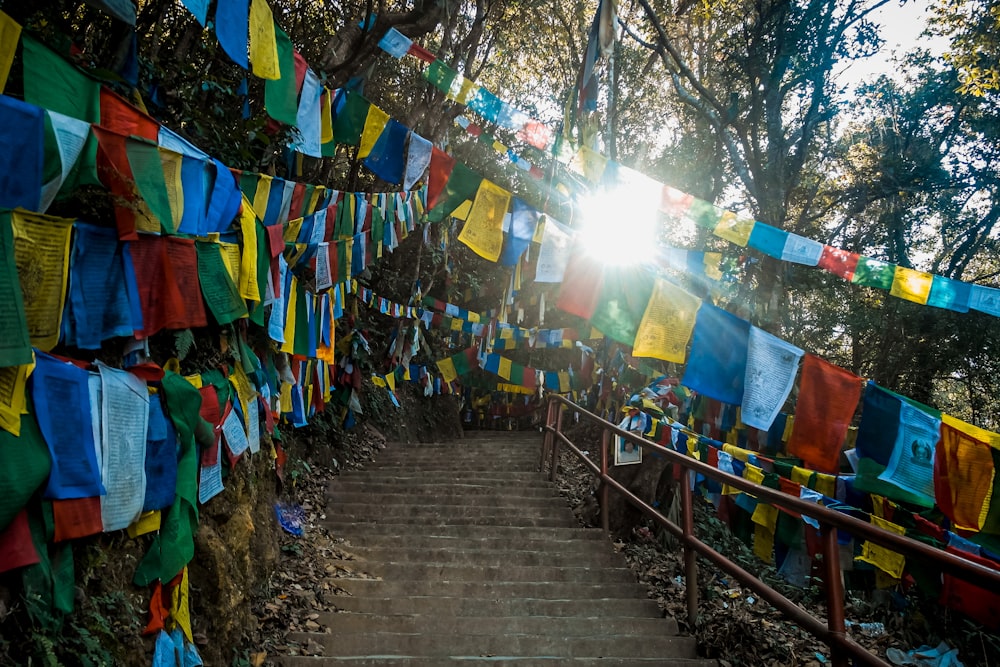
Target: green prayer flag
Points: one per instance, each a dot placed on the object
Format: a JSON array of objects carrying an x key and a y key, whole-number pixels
[
  {"x": 343, "y": 266},
  {"x": 462, "y": 184},
  {"x": 147, "y": 171},
  {"x": 350, "y": 120},
  {"x": 461, "y": 362},
  {"x": 378, "y": 226},
  {"x": 280, "y": 94},
  {"x": 704, "y": 214},
  {"x": 220, "y": 292},
  {"x": 874, "y": 273},
  {"x": 25, "y": 464},
  {"x": 173, "y": 546},
  {"x": 440, "y": 76},
  {"x": 263, "y": 269},
  {"x": 49, "y": 589},
  {"x": 15, "y": 343},
  {"x": 344, "y": 225},
  {"x": 52, "y": 83},
  {"x": 248, "y": 186},
  {"x": 307, "y": 196},
  {"x": 517, "y": 374},
  {"x": 300, "y": 345},
  {"x": 624, "y": 296}
]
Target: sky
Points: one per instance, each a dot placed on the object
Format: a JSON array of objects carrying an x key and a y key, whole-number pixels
[{"x": 900, "y": 28}]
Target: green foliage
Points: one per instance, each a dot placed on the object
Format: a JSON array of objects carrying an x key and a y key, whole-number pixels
[{"x": 973, "y": 27}]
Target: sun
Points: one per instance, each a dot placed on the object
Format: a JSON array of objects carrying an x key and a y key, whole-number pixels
[{"x": 619, "y": 224}]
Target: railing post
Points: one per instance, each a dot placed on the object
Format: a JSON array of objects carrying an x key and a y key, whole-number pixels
[
  {"x": 547, "y": 438},
  {"x": 555, "y": 443},
  {"x": 834, "y": 592},
  {"x": 605, "y": 487},
  {"x": 690, "y": 555}
]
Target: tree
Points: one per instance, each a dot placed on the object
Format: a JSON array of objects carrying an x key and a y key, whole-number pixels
[{"x": 972, "y": 26}]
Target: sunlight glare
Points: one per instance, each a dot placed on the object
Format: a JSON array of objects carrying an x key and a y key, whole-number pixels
[{"x": 619, "y": 225}]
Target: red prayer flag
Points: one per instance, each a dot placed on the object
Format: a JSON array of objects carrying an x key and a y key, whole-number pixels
[
  {"x": 169, "y": 287},
  {"x": 839, "y": 262},
  {"x": 420, "y": 52},
  {"x": 437, "y": 177},
  {"x": 211, "y": 412},
  {"x": 16, "y": 548},
  {"x": 76, "y": 518},
  {"x": 300, "y": 71},
  {"x": 298, "y": 195},
  {"x": 973, "y": 601},
  {"x": 115, "y": 172},
  {"x": 581, "y": 285},
  {"x": 158, "y": 612},
  {"x": 828, "y": 397}
]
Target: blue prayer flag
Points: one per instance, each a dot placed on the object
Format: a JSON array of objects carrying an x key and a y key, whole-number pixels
[{"x": 717, "y": 364}]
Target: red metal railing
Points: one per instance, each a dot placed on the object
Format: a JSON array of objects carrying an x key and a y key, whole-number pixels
[{"x": 832, "y": 632}]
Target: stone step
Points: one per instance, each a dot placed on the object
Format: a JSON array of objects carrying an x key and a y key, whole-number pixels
[
  {"x": 400, "y": 588},
  {"x": 494, "y": 607},
  {"x": 541, "y": 489},
  {"x": 394, "y": 552},
  {"x": 479, "y": 661},
  {"x": 500, "y": 573},
  {"x": 500, "y": 477},
  {"x": 377, "y": 510},
  {"x": 459, "y": 467},
  {"x": 496, "y": 645},
  {"x": 581, "y": 626},
  {"x": 408, "y": 524},
  {"x": 511, "y": 534}
]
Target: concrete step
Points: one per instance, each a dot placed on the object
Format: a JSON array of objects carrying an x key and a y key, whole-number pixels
[
  {"x": 458, "y": 467},
  {"x": 377, "y": 510},
  {"x": 441, "y": 499},
  {"x": 400, "y": 588},
  {"x": 479, "y": 661},
  {"x": 496, "y": 645},
  {"x": 497, "y": 557},
  {"x": 492, "y": 607},
  {"x": 353, "y": 485},
  {"x": 456, "y": 476},
  {"x": 406, "y": 536},
  {"x": 500, "y": 573},
  {"x": 411, "y": 523},
  {"x": 581, "y": 626}
]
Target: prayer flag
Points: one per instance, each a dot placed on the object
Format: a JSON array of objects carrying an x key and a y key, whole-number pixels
[
  {"x": 387, "y": 157},
  {"x": 375, "y": 122},
  {"x": 734, "y": 228},
  {"x": 884, "y": 559},
  {"x": 911, "y": 285},
  {"x": 839, "y": 262},
  {"x": 307, "y": 118},
  {"x": 221, "y": 294},
  {"x": 624, "y": 297},
  {"x": 350, "y": 120},
  {"x": 581, "y": 284},
  {"x": 15, "y": 340},
  {"x": 911, "y": 465},
  {"x": 10, "y": 33},
  {"x": 964, "y": 472},
  {"x": 950, "y": 294},
  {"x": 41, "y": 253},
  {"x": 771, "y": 368},
  {"x": 827, "y": 400},
  {"x": 161, "y": 458},
  {"x": 146, "y": 167},
  {"x": 874, "y": 273},
  {"x": 232, "y": 27},
  {"x": 486, "y": 104},
  {"x": 801, "y": 250},
  {"x": 395, "y": 43},
  {"x": 462, "y": 184},
  {"x": 199, "y": 8},
  {"x": 768, "y": 240},
  {"x": 447, "y": 368},
  {"x": 523, "y": 221},
  {"x": 280, "y": 94},
  {"x": 22, "y": 136},
  {"x": 418, "y": 158},
  {"x": 590, "y": 164},
  {"x": 717, "y": 364},
  {"x": 441, "y": 165},
  {"x": 554, "y": 254},
  {"x": 483, "y": 229},
  {"x": 667, "y": 324},
  {"x": 25, "y": 464},
  {"x": 985, "y": 299},
  {"x": 123, "y": 415},
  {"x": 440, "y": 76},
  {"x": 263, "y": 42}
]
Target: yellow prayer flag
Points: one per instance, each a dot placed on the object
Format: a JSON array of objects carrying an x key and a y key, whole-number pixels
[
  {"x": 506, "y": 334},
  {"x": 291, "y": 230},
  {"x": 378, "y": 381},
  {"x": 41, "y": 254},
  {"x": 711, "y": 263},
  {"x": 789, "y": 425},
  {"x": 734, "y": 228},
  {"x": 763, "y": 543},
  {"x": 455, "y": 324},
  {"x": 10, "y": 33},
  {"x": 263, "y": 42},
  {"x": 981, "y": 434},
  {"x": 13, "y": 380},
  {"x": 765, "y": 515},
  {"x": 390, "y": 380},
  {"x": 751, "y": 473},
  {"x": 262, "y": 193},
  {"x": 291, "y": 310},
  {"x": 326, "y": 117},
  {"x": 317, "y": 193},
  {"x": 539, "y": 230},
  {"x": 888, "y": 561},
  {"x": 171, "y": 163},
  {"x": 374, "y": 124},
  {"x": 911, "y": 285},
  {"x": 461, "y": 90},
  {"x": 737, "y": 452},
  {"x": 474, "y": 318},
  {"x": 231, "y": 258},
  {"x": 483, "y": 231},
  {"x": 248, "y": 262},
  {"x": 180, "y": 607},
  {"x": 505, "y": 368},
  {"x": 564, "y": 383},
  {"x": 498, "y": 147},
  {"x": 826, "y": 484},
  {"x": 590, "y": 163},
  {"x": 147, "y": 522},
  {"x": 447, "y": 368},
  {"x": 801, "y": 476},
  {"x": 667, "y": 324},
  {"x": 462, "y": 212}
]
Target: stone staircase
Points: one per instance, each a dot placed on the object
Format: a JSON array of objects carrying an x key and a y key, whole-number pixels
[{"x": 481, "y": 562}]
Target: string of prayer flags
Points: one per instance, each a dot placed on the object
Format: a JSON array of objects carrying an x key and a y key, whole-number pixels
[
  {"x": 280, "y": 93},
  {"x": 483, "y": 230},
  {"x": 964, "y": 472},
  {"x": 717, "y": 364},
  {"x": 232, "y": 27},
  {"x": 667, "y": 324},
  {"x": 772, "y": 365},
  {"x": 828, "y": 397}
]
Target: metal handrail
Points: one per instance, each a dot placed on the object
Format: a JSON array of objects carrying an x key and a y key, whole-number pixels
[{"x": 833, "y": 633}]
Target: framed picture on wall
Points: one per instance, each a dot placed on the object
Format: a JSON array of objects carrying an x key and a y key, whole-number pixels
[{"x": 626, "y": 451}]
